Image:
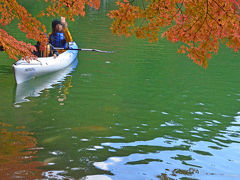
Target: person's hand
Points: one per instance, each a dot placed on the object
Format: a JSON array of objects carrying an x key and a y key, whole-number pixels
[
  {"x": 63, "y": 21},
  {"x": 54, "y": 56}
]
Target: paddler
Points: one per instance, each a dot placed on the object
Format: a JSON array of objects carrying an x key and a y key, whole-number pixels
[{"x": 60, "y": 36}]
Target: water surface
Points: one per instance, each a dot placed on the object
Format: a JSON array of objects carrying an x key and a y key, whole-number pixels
[{"x": 143, "y": 112}]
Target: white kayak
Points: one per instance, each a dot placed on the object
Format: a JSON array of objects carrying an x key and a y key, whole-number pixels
[{"x": 25, "y": 71}]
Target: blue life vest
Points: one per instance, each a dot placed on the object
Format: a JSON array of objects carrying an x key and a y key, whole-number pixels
[{"x": 58, "y": 40}]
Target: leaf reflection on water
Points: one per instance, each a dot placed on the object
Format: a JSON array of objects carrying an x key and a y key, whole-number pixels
[{"x": 18, "y": 147}]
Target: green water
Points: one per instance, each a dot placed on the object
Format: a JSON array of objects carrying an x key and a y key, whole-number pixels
[{"x": 143, "y": 112}]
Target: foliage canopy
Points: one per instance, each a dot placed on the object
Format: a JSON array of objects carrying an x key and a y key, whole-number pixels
[{"x": 199, "y": 24}]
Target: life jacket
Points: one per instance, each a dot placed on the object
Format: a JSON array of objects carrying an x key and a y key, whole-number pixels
[
  {"x": 42, "y": 53},
  {"x": 58, "y": 40}
]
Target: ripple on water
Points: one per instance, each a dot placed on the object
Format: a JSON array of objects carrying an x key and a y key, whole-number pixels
[
  {"x": 76, "y": 169},
  {"x": 171, "y": 123},
  {"x": 113, "y": 137},
  {"x": 55, "y": 174},
  {"x": 201, "y": 129},
  {"x": 197, "y": 112},
  {"x": 51, "y": 164},
  {"x": 56, "y": 153},
  {"x": 99, "y": 177},
  {"x": 197, "y": 154},
  {"x": 98, "y": 147}
]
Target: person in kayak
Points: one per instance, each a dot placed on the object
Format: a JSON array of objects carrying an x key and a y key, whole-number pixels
[{"x": 60, "y": 36}]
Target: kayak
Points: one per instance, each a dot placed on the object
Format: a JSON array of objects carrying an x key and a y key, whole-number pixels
[{"x": 25, "y": 71}]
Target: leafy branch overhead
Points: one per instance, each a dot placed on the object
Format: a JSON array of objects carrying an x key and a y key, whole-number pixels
[
  {"x": 31, "y": 26},
  {"x": 200, "y": 25}
]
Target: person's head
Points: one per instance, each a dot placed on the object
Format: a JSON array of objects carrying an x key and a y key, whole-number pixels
[{"x": 57, "y": 26}]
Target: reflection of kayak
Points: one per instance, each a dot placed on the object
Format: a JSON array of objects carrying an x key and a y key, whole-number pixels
[
  {"x": 25, "y": 71},
  {"x": 34, "y": 87}
]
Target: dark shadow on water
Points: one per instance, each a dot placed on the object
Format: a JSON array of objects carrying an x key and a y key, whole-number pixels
[{"x": 34, "y": 87}]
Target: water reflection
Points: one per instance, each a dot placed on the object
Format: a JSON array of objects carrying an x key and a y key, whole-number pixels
[
  {"x": 206, "y": 152},
  {"x": 34, "y": 87},
  {"x": 18, "y": 148},
  {"x": 142, "y": 113},
  {"x": 203, "y": 149}
]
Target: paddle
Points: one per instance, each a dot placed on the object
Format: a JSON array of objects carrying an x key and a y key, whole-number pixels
[{"x": 81, "y": 49}]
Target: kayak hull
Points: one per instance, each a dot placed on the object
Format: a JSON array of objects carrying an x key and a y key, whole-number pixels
[{"x": 25, "y": 71}]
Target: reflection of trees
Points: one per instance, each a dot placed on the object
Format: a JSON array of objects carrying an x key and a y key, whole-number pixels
[
  {"x": 18, "y": 148},
  {"x": 190, "y": 171}
]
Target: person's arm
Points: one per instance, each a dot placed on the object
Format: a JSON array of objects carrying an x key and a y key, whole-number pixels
[{"x": 67, "y": 34}]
